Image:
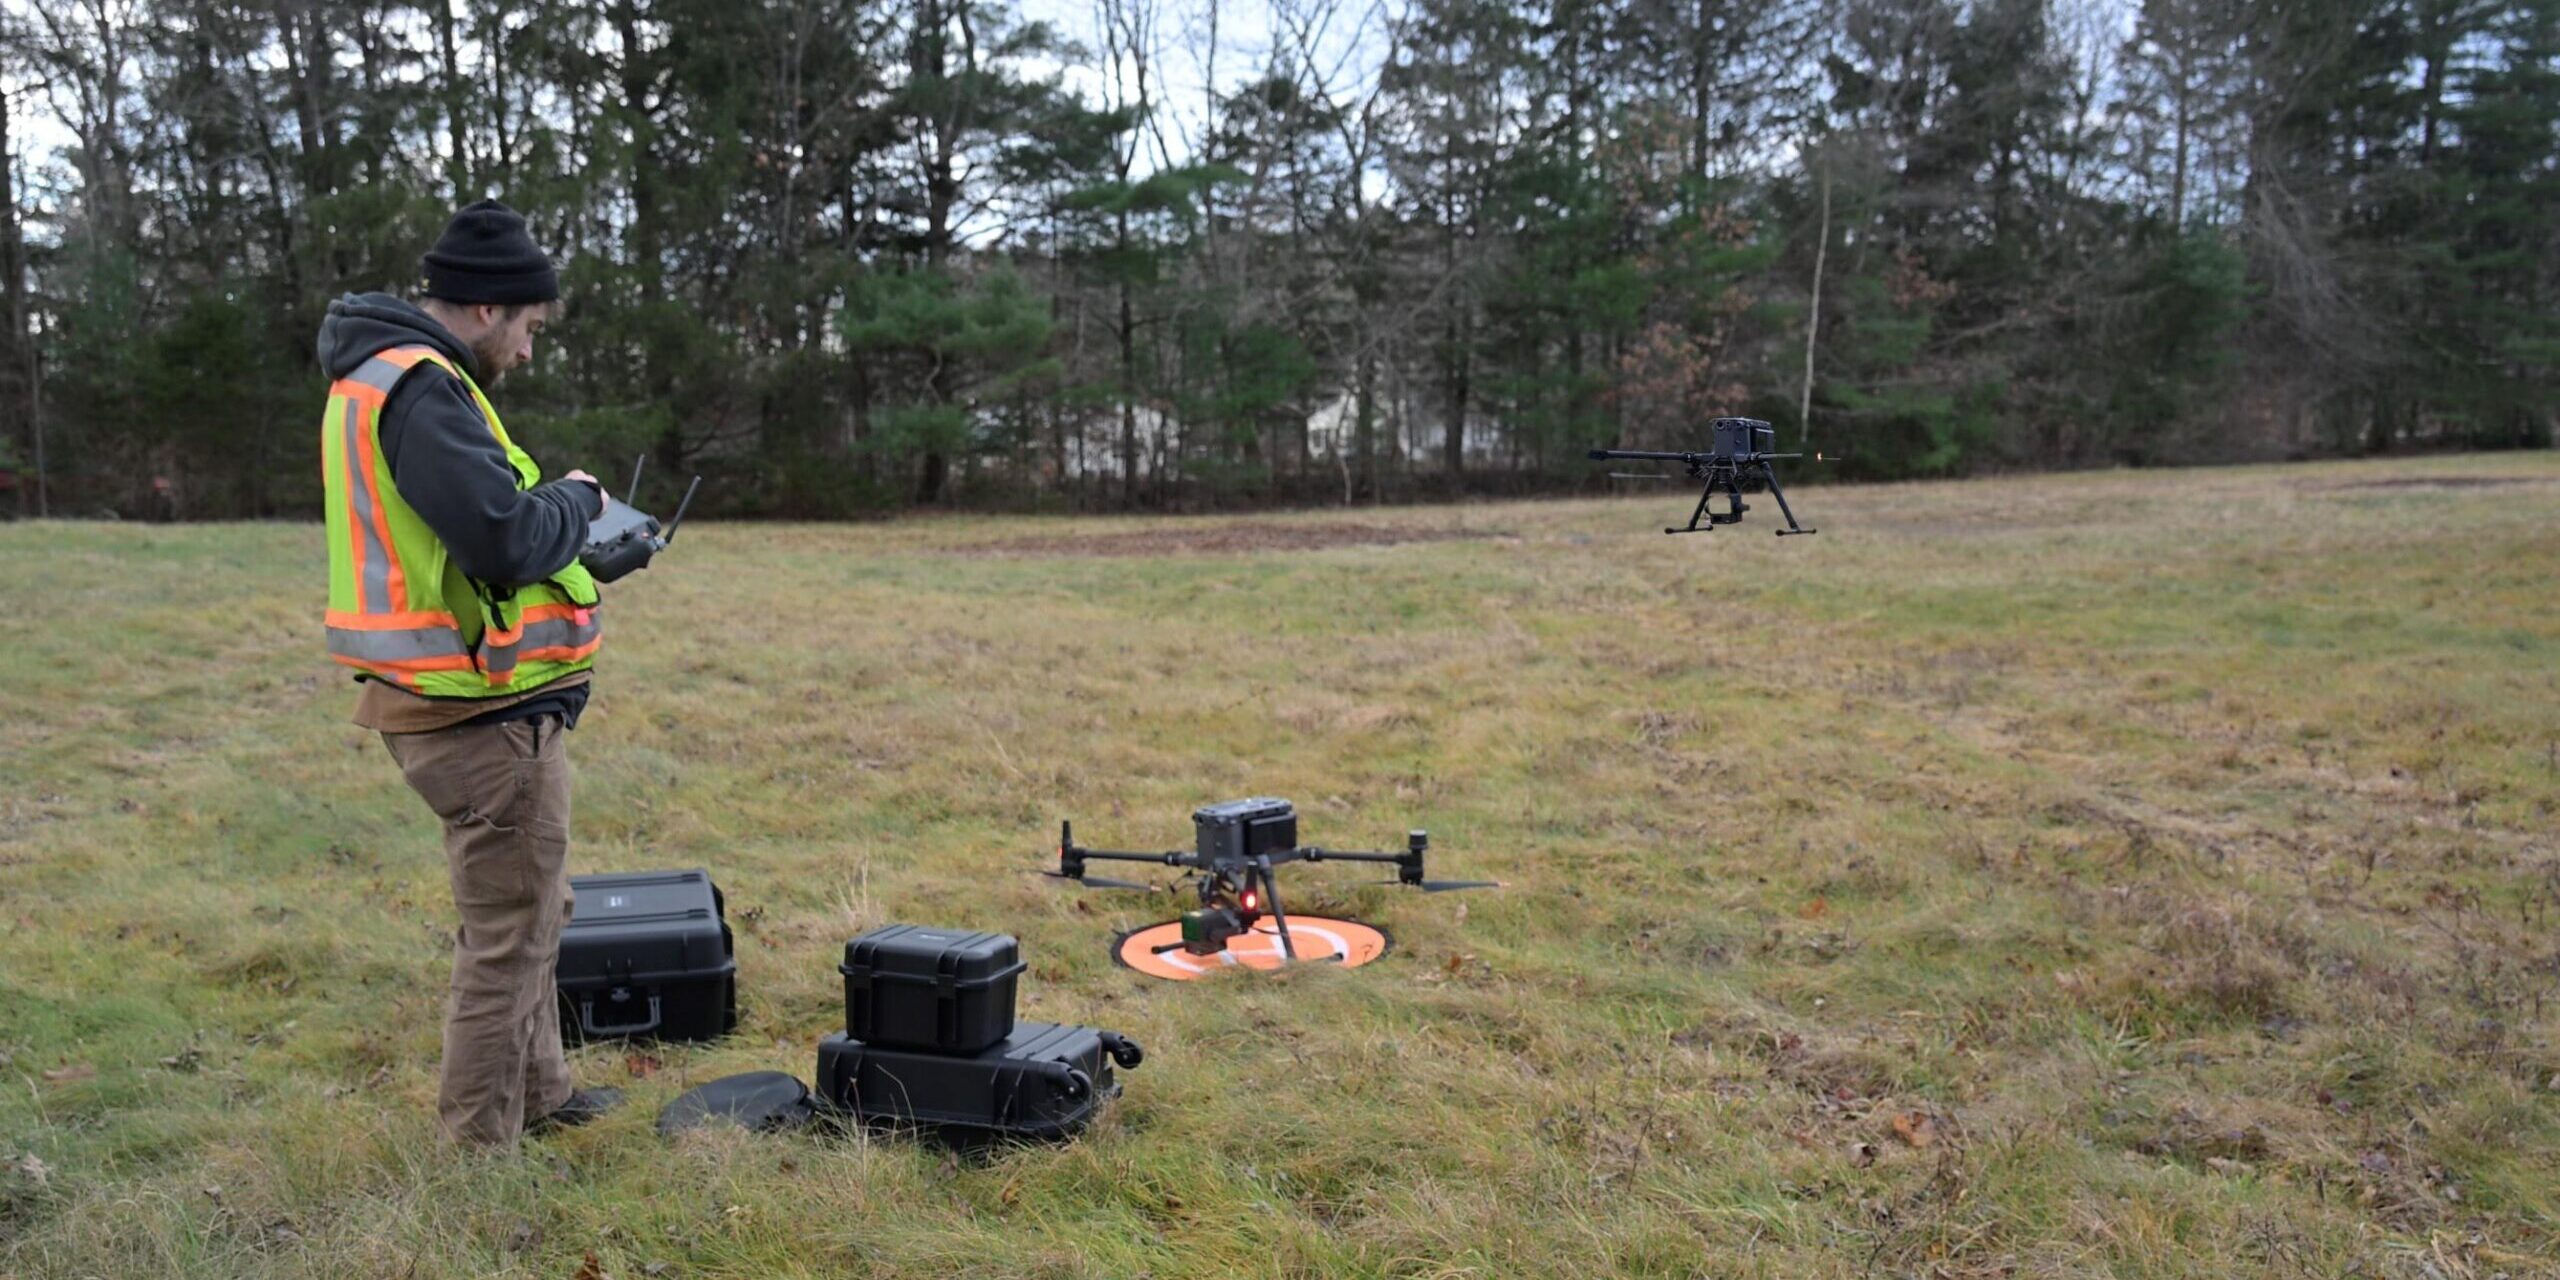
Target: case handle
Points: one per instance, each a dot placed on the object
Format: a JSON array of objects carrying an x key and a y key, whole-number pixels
[{"x": 587, "y": 1019}]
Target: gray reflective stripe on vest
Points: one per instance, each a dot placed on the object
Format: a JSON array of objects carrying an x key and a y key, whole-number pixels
[
  {"x": 548, "y": 633},
  {"x": 499, "y": 660},
  {"x": 373, "y": 587},
  {"x": 379, "y": 374},
  {"x": 396, "y": 646},
  {"x": 558, "y": 633}
]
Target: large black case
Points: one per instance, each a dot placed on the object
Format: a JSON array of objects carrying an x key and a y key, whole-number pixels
[
  {"x": 1043, "y": 1081},
  {"x": 942, "y": 990},
  {"x": 647, "y": 954}
]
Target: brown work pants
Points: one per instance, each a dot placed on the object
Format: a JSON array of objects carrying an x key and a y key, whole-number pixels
[{"x": 502, "y": 791}]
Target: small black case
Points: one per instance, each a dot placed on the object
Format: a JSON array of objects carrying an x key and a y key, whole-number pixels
[
  {"x": 1043, "y": 1081},
  {"x": 939, "y": 990},
  {"x": 647, "y": 954}
]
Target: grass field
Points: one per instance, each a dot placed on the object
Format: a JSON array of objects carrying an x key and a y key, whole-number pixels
[{"x": 2108, "y": 875}]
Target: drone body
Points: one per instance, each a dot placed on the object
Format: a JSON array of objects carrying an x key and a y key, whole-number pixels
[
  {"x": 1237, "y": 846},
  {"x": 1736, "y": 461}
]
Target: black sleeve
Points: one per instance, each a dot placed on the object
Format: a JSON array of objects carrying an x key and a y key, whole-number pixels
[{"x": 451, "y": 471}]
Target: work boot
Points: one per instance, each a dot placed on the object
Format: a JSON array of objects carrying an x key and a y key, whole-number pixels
[{"x": 583, "y": 1105}]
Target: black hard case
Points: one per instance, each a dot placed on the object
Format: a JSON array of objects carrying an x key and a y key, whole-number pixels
[
  {"x": 940, "y": 990},
  {"x": 1043, "y": 1081},
  {"x": 647, "y": 954}
]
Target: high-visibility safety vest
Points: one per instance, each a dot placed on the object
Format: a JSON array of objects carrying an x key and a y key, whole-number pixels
[{"x": 399, "y": 608}]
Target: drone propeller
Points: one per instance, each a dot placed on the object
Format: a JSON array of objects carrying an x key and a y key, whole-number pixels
[
  {"x": 1445, "y": 886},
  {"x": 1099, "y": 882}
]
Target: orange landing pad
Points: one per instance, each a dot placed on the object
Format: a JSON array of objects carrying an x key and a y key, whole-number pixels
[{"x": 1319, "y": 940}]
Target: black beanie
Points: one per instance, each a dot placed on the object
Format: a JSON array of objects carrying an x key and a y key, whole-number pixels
[{"x": 485, "y": 255}]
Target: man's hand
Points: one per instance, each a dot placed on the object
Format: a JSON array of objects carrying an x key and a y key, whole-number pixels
[{"x": 603, "y": 499}]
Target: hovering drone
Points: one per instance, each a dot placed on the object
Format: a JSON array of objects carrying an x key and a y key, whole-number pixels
[
  {"x": 1239, "y": 844},
  {"x": 1735, "y": 461}
]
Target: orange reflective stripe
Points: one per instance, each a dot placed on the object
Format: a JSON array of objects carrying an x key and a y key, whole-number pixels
[
  {"x": 350, "y": 389},
  {"x": 408, "y": 357},
  {"x": 448, "y": 662},
  {"x": 396, "y": 582},
  {"x": 412, "y": 621}
]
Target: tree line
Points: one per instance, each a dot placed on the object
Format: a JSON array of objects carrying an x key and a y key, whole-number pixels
[{"x": 848, "y": 256}]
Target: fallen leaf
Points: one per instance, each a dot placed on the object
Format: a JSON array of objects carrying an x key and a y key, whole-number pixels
[
  {"x": 590, "y": 1269},
  {"x": 33, "y": 1169},
  {"x": 1462, "y": 913},
  {"x": 642, "y": 1065},
  {"x": 1453, "y": 964},
  {"x": 1815, "y": 909},
  {"x": 1862, "y": 1154},
  {"x": 73, "y": 1071},
  {"x": 1916, "y": 1127}
]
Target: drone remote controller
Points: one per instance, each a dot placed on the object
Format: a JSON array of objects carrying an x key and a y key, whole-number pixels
[{"x": 624, "y": 538}]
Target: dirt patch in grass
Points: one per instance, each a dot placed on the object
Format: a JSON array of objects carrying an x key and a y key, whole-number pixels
[{"x": 1227, "y": 539}]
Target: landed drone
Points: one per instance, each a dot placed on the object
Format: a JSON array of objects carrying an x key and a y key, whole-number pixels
[
  {"x": 1239, "y": 845},
  {"x": 1735, "y": 462}
]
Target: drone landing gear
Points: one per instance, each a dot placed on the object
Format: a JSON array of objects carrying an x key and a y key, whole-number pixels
[{"x": 1728, "y": 477}]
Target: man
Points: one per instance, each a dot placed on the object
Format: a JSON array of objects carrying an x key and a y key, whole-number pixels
[{"x": 456, "y": 595}]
